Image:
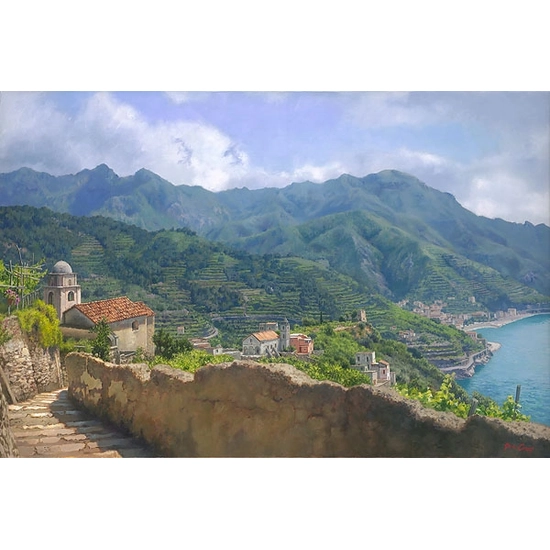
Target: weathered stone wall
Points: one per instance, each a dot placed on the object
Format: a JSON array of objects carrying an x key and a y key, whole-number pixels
[
  {"x": 246, "y": 409},
  {"x": 29, "y": 368},
  {"x": 8, "y": 448}
]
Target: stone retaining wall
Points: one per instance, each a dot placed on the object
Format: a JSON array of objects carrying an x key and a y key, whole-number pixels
[
  {"x": 29, "y": 368},
  {"x": 8, "y": 448},
  {"x": 247, "y": 409}
]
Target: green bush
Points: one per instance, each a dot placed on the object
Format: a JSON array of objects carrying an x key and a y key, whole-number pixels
[
  {"x": 445, "y": 399},
  {"x": 321, "y": 369},
  {"x": 168, "y": 346},
  {"x": 190, "y": 361},
  {"x": 41, "y": 320},
  {"x": 70, "y": 344}
]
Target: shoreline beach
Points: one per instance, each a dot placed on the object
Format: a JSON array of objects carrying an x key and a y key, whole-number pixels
[{"x": 497, "y": 323}]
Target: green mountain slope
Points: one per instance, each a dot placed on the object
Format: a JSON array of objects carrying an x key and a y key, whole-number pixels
[
  {"x": 389, "y": 230},
  {"x": 190, "y": 281}
]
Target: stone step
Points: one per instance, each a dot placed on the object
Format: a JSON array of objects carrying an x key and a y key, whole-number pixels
[{"x": 51, "y": 426}]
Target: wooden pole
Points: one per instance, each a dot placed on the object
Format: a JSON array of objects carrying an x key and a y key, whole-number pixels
[{"x": 518, "y": 391}]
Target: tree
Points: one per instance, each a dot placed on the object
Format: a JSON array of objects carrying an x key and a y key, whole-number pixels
[
  {"x": 167, "y": 345},
  {"x": 101, "y": 346}
]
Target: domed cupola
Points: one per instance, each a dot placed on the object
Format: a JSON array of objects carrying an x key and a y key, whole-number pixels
[{"x": 62, "y": 267}]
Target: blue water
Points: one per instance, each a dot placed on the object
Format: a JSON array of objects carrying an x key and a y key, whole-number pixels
[{"x": 523, "y": 358}]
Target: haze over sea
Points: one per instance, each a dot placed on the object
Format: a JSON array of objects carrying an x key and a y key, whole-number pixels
[{"x": 523, "y": 358}]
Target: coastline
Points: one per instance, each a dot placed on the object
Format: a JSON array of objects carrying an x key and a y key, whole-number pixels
[
  {"x": 493, "y": 346},
  {"x": 467, "y": 368},
  {"x": 497, "y": 323}
]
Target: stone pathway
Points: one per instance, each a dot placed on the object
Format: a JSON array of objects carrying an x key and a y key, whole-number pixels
[{"x": 49, "y": 425}]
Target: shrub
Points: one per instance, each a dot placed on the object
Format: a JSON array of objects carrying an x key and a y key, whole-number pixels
[
  {"x": 445, "y": 399},
  {"x": 168, "y": 346},
  {"x": 192, "y": 360},
  {"x": 41, "y": 320}
]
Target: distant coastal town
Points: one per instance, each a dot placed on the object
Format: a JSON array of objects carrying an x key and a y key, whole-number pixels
[{"x": 469, "y": 323}]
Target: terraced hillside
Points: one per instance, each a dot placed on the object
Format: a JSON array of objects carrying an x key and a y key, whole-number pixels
[
  {"x": 449, "y": 275},
  {"x": 184, "y": 278},
  {"x": 202, "y": 286}
]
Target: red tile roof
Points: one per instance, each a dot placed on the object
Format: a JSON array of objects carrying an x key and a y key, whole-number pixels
[
  {"x": 115, "y": 309},
  {"x": 266, "y": 335}
]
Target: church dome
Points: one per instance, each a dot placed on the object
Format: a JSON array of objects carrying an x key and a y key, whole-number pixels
[{"x": 62, "y": 267}]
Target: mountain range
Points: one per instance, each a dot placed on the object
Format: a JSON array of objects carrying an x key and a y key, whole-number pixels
[{"x": 390, "y": 232}]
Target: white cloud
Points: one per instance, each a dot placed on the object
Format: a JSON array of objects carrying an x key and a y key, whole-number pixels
[
  {"x": 509, "y": 178},
  {"x": 509, "y": 197},
  {"x": 178, "y": 97},
  {"x": 384, "y": 109},
  {"x": 35, "y": 133},
  {"x": 185, "y": 97}
]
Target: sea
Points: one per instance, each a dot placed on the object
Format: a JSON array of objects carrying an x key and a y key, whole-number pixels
[{"x": 523, "y": 359}]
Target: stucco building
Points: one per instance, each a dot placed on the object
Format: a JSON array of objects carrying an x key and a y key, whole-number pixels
[
  {"x": 302, "y": 344},
  {"x": 265, "y": 342},
  {"x": 132, "y": 323},
  {"x": 271, "y": 340},
  {"x": 379, "y": 371}
]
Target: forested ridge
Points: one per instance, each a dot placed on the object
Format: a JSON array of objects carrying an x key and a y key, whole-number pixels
[
  {"x": 193, "y": 282},
  {"x": 389, "y": 231}
]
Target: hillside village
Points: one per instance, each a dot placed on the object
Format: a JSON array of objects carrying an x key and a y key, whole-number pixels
[{"x": 132, "y": 327}]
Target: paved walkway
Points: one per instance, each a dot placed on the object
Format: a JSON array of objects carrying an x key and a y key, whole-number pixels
[{"x": 49, "y": 425}]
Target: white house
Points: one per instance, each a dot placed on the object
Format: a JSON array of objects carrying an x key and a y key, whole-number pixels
[
  {"x": 379, "y": 372},
  {"x": 261, "y": 343}
]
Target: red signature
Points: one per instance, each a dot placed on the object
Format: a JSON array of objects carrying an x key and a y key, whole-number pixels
[{"x": 520, "y": 447}]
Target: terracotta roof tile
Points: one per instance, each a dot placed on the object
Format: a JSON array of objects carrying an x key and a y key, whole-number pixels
[
  {"x": 266, "y": 335},
  {"x": 115, "y": 309}
]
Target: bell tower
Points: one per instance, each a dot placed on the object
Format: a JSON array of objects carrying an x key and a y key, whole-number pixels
[
  {"x": 62, "y": 290},
  {"x": 284, "y": 337}
]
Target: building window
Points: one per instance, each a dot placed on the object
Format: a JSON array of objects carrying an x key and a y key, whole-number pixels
[
  {"x": 135, "y": 325},
  {"x": 71, "y": 296},
  {"x": 50, "y": 298}
]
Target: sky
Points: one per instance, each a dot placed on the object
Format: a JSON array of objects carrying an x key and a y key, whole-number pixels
[{"x": 489, "y": 149}]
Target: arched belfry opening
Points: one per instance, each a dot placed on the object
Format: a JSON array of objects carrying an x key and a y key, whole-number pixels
[{"x": 62, "y": 290}]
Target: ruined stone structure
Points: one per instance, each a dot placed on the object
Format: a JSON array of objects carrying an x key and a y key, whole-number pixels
[{"x": 247, "y": 409}]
